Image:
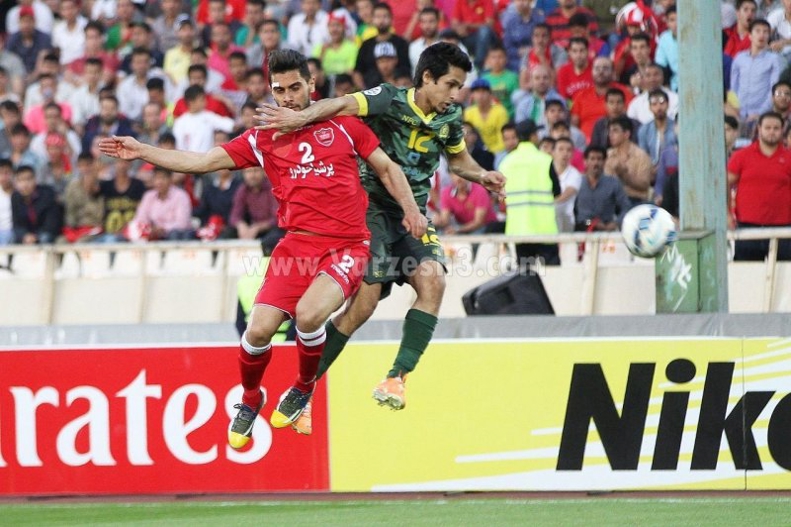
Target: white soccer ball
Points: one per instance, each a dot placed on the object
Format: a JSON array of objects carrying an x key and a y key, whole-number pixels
[{"x": 648, "y": 230}]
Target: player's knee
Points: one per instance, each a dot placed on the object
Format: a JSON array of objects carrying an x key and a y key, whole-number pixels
[
  {"x": 308, "y": 319},
  {"x": 258, "y": 337},
  {"x": 430, "y": 288}
]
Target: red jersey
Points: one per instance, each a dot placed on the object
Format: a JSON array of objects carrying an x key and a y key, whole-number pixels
[
  {"x": 763, "y": 187},
  {"x": 314, "y": 174},
  {"x": 735, "y": 43},
  {"x": 569, "y": 82}
]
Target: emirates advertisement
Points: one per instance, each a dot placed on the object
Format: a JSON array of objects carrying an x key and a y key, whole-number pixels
[{"x": 147, "y": 420}]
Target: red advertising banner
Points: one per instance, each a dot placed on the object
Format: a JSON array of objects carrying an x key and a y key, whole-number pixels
[{"x": 147, "y": 420}]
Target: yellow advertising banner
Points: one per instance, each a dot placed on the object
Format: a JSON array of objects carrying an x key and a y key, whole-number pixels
[{"x": 709, "y": 413}]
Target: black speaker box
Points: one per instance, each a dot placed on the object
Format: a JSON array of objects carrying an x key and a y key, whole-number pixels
[{"x": 509, "y": 294}]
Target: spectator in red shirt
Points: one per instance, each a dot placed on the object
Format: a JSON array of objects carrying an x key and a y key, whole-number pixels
[
  {"x": 473, "y": 20},
  {"x": 558, "y": 20},
  {"x": 197, "y": 74},
  {"x": 589, "y": 105},
  {"x": 761, "y": 174},
  {"x": 738, "y": 35},
  {"x": 578, "y": 73}
]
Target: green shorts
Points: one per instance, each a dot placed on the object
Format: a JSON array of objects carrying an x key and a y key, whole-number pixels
[{"x": 395, "y": 254}]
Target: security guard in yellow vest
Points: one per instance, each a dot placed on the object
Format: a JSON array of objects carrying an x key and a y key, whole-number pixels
[{"x": 531, "y": 186}]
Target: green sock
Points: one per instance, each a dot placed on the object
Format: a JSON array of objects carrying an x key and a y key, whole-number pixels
[
  {"x": 333, "y": 346},
  {"x": 418, "y": 330}
]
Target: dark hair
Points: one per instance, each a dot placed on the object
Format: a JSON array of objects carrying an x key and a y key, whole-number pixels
[
  {"x": 770, "y": 115},
  {"x": 85, "y": 156},
  {"x": 283, "y": 60},
  {"x": 6, "y": 163},
  {"x": 200, "y": 51},
  {"x": 166, "y": 137},
  {"x": 94, "y": 24},
  {"x": 316, "y": 63},
  {"x": 270, "y": 22},
  {"x": 659, "y": 92},
  {"x": 249, "y": 105},
  {"x": 760, "y": 22},
  {"x": 141, "y": 51},
  {"x": 193, "y": 92},
  {"x": 343, "y": 78},
  {"x": 671, "y": 10},
  {"x": 564, "y": 140},
  {"x": 594, "y": 148},
  {"x": 543, "y": 25},
  {"x": 109, "y": 97},
  {"x": 20, "y": 129},
  {"x": 640, "y": 37},
  {"x": 430, "y": 11},
  {"x": 544, "y": 140},
  {"x": 496, "y": 47},
  {"x": 578, "y": 40},
  {"x": 198, "y": 67},
  {"x": 780, "y": 83},
  {"x": 25, "y": 168},
  {"x": 383, "y": 5},
  {"x": 740, "y": 2},
  {"x": 53, "y": 105},
  {"x": 437, "y": 60},
  {"x": 11, "y": 106},
  {"x": 553, "y": 102},
  {"x": 238, "y": 55},
  {"x": 94, "y": 61},
  {"x": 162, "y": 170},
  {"x": 51, "y": 57},
  {"x": 579, "y": 20},
  {"x": 510, "y": 125},
  {"x": 155, "y": 83},
  {"x": 253, "y": 72},
  {"x": 616, "y": 92},
  {"x": 142, "y": 25},
  {"x": 623, "y": 122},
  {"x": 732, "y": 121}
]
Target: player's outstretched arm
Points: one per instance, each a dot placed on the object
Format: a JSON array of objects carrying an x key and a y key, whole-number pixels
[
  {"x": 463, "y": 165},
  {"x": 287, "y": 120},
  {"x": 176, "y": 160},
  {"x": 395, "y": 182}
]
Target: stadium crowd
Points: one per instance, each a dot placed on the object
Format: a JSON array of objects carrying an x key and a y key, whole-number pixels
[{"x": 592, "y": 83}]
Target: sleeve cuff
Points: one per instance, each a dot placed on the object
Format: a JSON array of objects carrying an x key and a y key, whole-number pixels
[
  {"x": 362, "y": 102},
  {"x": 456, "y": 148}
]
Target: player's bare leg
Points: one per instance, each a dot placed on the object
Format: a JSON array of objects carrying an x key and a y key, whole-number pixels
[
  {"x": 254, "y": 356},
  {"x": 357, "y": 311},
  {"x": 314, "y": 308},
  {"x": 428, "y": 281}
]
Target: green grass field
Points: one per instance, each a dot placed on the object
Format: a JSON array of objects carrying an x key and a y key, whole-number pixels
[{"x": 603, "y": 511}]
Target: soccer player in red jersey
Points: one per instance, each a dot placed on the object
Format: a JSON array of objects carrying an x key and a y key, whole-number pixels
[{"x": 321, "y": 260}]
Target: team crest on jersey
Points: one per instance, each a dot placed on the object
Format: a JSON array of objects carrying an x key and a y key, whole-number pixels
[
  {"x": 444, "y": 131},
  {"x": 373, "y": 91},
  {"x": 325, "y": 136}
]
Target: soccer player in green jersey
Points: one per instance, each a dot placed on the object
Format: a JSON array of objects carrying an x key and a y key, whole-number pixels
[{"x": 415, "y": 126}]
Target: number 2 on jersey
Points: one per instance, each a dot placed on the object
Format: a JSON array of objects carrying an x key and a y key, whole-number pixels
[{"x": 307, "y": 153}]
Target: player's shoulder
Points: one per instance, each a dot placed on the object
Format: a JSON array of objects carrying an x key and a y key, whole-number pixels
[{"x": 383, "y": 90}]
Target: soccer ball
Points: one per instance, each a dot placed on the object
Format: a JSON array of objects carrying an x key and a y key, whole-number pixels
[{"x": 647, "y": 230}]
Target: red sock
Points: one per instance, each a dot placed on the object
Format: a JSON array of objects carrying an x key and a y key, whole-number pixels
[
  {"x": 252, "y": 369},
  {"x": 309, "y": 347}
]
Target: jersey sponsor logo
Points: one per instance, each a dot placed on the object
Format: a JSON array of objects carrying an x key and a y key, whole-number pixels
[
  {"x": 325, "y": 136},
  {"x": 444, "y": 131},
  {"x": 376, "y": 90},
  {"x": 410, "y": 120}
]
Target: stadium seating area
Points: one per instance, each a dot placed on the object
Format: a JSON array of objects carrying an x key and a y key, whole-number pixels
[{"x": 73, "y": 71}]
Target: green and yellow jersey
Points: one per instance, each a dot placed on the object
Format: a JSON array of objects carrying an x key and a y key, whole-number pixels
[{"x": 411, "y": 139}]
